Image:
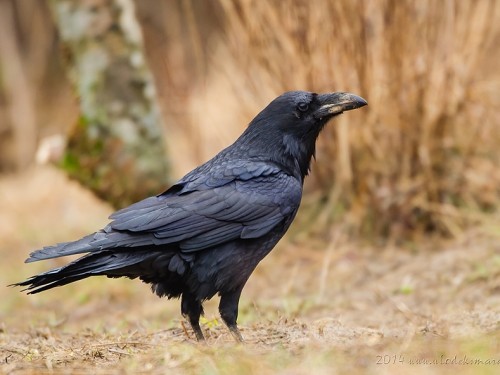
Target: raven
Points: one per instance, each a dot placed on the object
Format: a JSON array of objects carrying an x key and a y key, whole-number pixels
[{"x": 206, "y": 234}]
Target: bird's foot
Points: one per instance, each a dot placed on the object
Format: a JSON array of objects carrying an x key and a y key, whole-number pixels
[
  {"x": 235, "y": 332},
  {"x": 195, "y": 325}
]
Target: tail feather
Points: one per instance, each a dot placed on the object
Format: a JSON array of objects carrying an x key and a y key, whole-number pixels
[
  {"x": 113, "y": 264},
  {"x": 106, "y": 238},
  {"x": 62, "y": 249}
]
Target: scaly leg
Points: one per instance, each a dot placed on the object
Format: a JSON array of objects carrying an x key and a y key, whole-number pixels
[
  {"x": 228, "y": 309},
  {"x": 191, "y": 309}
]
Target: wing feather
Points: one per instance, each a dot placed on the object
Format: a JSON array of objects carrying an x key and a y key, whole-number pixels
[
  {"x": 198, "y": 212},
  {"x": 246, "y": 207}
]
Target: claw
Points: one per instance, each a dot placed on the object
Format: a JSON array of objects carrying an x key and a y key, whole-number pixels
[{"x": 235, "y": 332}]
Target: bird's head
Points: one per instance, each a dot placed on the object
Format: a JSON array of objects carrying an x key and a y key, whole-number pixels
[{"x": 288, "y": 127}]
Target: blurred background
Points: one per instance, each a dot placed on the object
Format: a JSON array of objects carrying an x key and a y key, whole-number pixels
[
  {"x": 423, "y": 158},
  {"x": 395, "y": 246}
]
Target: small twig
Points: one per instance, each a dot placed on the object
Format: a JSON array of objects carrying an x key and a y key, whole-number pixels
[
  {"x": 15, "y": 351},
  {"x": 117, "y": 351},
  {"x": 125, "y": 343},
  {"x": 185, "y": 330}
]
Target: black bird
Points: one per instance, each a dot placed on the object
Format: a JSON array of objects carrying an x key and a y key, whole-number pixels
[{"x": 207, "y": 233}]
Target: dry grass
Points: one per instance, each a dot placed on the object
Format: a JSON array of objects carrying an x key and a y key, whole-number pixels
[
  {"x": 423, "y": 154},
  {"x": 305, "y": 310},
  {"x": 422, "y": 157}
]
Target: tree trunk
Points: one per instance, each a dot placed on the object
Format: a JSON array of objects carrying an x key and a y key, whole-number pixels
[{"x": 116, "y": 148}]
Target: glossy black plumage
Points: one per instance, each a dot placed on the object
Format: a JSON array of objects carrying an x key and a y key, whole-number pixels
[{"x": 207, "y": 233}]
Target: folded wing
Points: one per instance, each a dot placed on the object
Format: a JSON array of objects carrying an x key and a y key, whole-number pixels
[{"x": 200, "y": 211}]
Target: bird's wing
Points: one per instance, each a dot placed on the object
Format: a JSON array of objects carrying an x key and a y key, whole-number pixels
[
  {"x": 234, "y": 200},
  {"x": 246, "y": 200}
]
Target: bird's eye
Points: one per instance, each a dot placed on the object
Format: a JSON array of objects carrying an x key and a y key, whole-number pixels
[{"x": 303, "y": 106}]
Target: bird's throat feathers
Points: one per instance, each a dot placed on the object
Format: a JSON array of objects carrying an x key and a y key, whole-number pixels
[
  {"x": 301, "y": 151},
  {"x": 292, "y": 150}
]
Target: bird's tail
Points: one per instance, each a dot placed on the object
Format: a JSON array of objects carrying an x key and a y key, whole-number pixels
[
  {"x": 112, "y": 264},
  {"x": 94, "y": 243}
]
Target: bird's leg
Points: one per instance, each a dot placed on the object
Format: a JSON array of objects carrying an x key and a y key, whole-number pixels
[
  {"x": 191, "y": 309},
  {"x": 228, "y": 309}
]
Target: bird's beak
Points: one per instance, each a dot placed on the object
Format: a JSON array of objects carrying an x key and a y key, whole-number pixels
[{"x": 335, "y": 103}]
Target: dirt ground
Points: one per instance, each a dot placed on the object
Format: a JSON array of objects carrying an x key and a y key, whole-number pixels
[{"x": 308, "y": 309}]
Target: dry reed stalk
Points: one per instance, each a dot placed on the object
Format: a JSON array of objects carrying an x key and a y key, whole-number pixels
[{"x": 426, "y": 145}]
